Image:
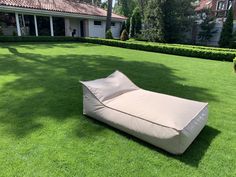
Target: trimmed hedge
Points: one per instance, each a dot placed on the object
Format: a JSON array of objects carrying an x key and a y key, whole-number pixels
[
  {"x": 160, "y": 48},
  {"x": 165, "y": 48},
  {"x": 188, "y": 46}
]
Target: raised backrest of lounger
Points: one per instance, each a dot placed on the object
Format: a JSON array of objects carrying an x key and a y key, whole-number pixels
[{"x": 110, "y": 87}]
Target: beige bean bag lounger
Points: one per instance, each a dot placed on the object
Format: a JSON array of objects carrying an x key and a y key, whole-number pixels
[{"x": 168, "y": 122}]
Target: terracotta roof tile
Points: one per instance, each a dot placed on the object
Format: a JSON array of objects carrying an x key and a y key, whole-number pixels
[
  {"x": 61, "y": 6},
  {"x": 204, "y": 4}
]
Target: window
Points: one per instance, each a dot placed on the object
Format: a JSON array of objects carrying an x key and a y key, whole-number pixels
[
  {"x": 97, "y": 23},
  {"x": 221, "y": 5},
  {"x": 113, "y": 24},
  {"x": 27, "y": 25},
  {"x": 230, "y": 4},
  {"x": 43, "y": 26},
  {"x": 7, "y": 24},
  {"x": 59, "y": 26}
]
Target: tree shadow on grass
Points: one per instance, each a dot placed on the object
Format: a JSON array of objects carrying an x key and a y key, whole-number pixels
[
  {"x": 47, "y": 86},
  {"x": 192, "y": 156},
  {"x": 45, "y": 45}
]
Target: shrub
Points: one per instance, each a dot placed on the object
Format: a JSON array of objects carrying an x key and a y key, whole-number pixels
[
  {"x": 14, "y": 33},
  {"x": 207, "y": 26},
  {"x": 166, "y": 48},
  {"x": 175, "y": 49},
  {"x": 135, "y": 23},
  {"x": 227, "y": 30},
  {"x": 124, "y": 35},
  {"x": 233, "y": 41},
  {"x": 109, "y": 34}
]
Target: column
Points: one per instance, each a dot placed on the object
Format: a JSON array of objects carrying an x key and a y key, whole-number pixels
[
  {"x": 18, "y": 24},
  {"x": 51, "y": 26},
  {"x": 36, "y": 26}
]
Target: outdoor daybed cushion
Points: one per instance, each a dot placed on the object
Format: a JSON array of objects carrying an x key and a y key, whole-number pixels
[{"x": 168, "y": 122}]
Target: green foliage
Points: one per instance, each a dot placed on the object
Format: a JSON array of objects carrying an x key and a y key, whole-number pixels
[
  {"x": 14, "y": 33},
  {"x": 233, "y": 41},
  {"x": 227, "y": 31},
  {"x": 125, "y": 7},
  {"x": 167, "y": 20},
  {"x": 109, "y": 34},
  {"x": 154, "y": 22},
  {"x": 127, "y": 25},
  {"x": 207, "y": 26},
  {"x": 1, "y": 32},
  {"x": 124, "y": 35},
  {"x": 177, "y": 19},
  {"x": 135, "y": 23},
  {"x": 186, "y": 46},
  {"x": 165, "y": 48},
  {"x": 104, "y": 5},
  {"x": 142, "y": 4}
]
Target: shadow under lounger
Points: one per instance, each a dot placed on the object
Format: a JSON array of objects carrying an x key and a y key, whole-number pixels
[{"x": 168, "y": 122}]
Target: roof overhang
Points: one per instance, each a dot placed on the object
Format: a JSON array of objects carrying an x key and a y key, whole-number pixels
[{"x": 30, "y": 11}]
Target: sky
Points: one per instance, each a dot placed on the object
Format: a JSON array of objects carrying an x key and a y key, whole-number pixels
[{"x": 112, "y": 1}]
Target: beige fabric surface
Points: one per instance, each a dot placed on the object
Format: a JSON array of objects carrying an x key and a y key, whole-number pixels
[{"x": 168, "y": 122}]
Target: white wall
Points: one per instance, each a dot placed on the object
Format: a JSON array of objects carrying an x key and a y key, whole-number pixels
[
  {"x": 67, "y": 27},
  {"x": 116, "y": 29},
  {"x": 99, "y": 31},
  {"x": 70, "y": 25},
  {"x": 216, "y": 36},
  {"x": 93, "y": 30},
  {"x": 96, "y": 30}
]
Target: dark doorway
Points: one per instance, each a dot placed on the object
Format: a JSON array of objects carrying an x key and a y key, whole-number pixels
[
  {"x": 81, "y": 28},
  {"x": 43, "y": 26},
  {"x": 29, "y": 25},
  {"x": 59, "y": 26}
]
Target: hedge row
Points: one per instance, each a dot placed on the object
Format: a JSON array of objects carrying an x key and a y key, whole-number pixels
[
  {"x": 208, "y": 48},
  {"x": 189, "y": 46},
  {"x": 165, "y": 48},
  {"x": 160, "y": 48}
]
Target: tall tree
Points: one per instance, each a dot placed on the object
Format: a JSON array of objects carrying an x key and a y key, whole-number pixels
[
  {"x": 142, "y": 4},
  {"x": 175, "y": 18},
  {"x": 125, "y": 7},
  {"x": 154, "y": 21},
  {"x": 227, "y": 30},
  {"x": 109, "y": 14},
  {"x": 135, "y": 23},
  {"x": 207, "y": 26},
  {"x": 104, "y": 5}
]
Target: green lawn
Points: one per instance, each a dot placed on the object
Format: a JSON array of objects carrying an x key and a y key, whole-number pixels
[{"x": 43, "y": 132}]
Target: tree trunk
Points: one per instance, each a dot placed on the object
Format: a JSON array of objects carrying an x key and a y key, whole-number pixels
[{"x": 109, "y": 13}]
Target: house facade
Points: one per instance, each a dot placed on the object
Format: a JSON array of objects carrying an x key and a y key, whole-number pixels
[
  {"x": 55, "y": 18},
  {"x": 219, "y": 9}
]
